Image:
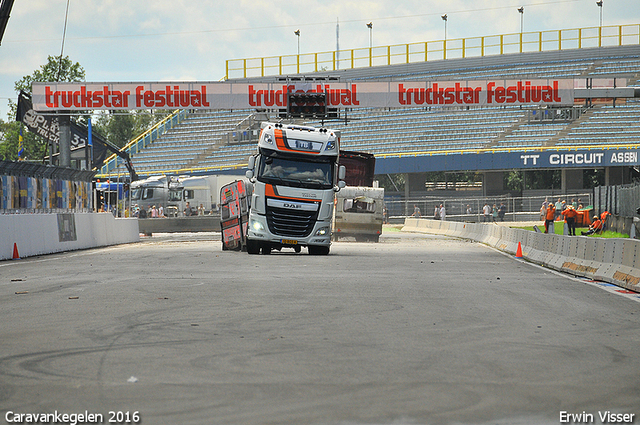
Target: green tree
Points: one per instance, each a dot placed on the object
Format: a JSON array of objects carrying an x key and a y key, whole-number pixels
[
  {"x": 35, "y": 147},
  {"x": 54, "y": 70}
]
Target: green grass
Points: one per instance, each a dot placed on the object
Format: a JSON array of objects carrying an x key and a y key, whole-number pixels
[
  {"x": 392, "y": 228},
  {"x": 558, "y": 227}
]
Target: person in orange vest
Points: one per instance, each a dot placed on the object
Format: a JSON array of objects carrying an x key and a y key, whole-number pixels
[
  {"x": 570, "y": 215},
  {"x": 596, "y": 225},
  {"x": 551, "y": 214}
]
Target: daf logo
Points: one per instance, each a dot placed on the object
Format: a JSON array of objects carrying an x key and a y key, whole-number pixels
[{"x": 294, "y": 206}]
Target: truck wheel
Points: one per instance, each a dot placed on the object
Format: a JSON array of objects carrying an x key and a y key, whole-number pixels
[
  {"x": 253, "y": 247},
  {"x": 318, "y": 250}
]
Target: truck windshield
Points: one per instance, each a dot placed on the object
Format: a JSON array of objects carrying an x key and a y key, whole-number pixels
[
  {"x": 175, "y": 195},
  {"x": 136, "y": 193},
  {"x": 295, "y": 172}
]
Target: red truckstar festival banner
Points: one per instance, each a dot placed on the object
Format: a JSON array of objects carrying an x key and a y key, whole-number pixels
[{"x": 224, "y": 95}]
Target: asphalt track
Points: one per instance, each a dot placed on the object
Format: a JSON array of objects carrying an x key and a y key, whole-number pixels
[{"x": 417, "y": 329}]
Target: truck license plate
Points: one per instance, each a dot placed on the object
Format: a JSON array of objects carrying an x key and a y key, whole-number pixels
[{"x": 289, "y": 242}]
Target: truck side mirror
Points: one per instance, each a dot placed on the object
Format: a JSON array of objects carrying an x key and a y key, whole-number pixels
[
  {"x": 342, "y": 172},
  {"x": 252, "y": 162}
]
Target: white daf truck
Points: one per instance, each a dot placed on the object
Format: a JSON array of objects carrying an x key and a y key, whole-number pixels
[{"x": 295, "y": 175}]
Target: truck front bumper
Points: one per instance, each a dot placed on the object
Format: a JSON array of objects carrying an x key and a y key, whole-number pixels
[{"x": 259, "y": 231}]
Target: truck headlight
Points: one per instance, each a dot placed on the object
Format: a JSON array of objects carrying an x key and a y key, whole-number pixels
[
  {"x": 322, "y": 232},
  {"x": 257, "y": 226}
]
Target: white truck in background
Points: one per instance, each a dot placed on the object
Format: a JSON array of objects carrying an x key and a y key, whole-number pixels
[
  {"x": 358, "y": 213},
  {"x": 359, "y": 206},
  {"x": 173, "y": 193}
]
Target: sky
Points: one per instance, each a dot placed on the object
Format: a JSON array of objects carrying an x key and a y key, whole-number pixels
[{"x": 179, "y": 40}]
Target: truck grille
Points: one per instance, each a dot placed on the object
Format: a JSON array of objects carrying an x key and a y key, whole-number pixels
[{"x": 286, "y": 222}]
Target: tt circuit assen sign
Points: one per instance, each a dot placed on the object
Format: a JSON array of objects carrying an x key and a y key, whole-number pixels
[
  {"x": 544, "y": 159},
  {"x": 224, "y": 95}
]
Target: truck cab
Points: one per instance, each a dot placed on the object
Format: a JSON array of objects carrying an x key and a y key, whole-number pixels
[{"x": 295, "y": 175}]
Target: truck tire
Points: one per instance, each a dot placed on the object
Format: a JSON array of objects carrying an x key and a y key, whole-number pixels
[
  {"x": 253, "y": 247},
  {"x": 318, "y": 250}
]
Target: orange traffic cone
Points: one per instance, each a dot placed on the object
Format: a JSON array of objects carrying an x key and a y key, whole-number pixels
[
  {"x": 519, "y": 251},
  {"x": 16, "y": 256}
]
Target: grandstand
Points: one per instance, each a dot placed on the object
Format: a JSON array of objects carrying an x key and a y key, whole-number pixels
[{"x": 215, "y": 141}]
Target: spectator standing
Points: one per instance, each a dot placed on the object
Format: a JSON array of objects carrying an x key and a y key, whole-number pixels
[
  {"x": 443, "y": 212},
  {"x": 469, "y": 210},
  {"x": 187, "y": 210},
  {"x": 551, "y": 215},
  {"x": 570, "y": 214},
  {"x": 502, "y": 211},
  {"x": 486, "y": 210},
  {"x": 494, "y": 213},
  {"x": 558, "y": 208},
  {"x": 201, "y": 210},
  {"x": 160, "y": 211}
]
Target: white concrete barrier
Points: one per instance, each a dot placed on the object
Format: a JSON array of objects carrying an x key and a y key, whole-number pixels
[
  {"x": 615, "y": 261},
  {"x": 37, "y": 234}
]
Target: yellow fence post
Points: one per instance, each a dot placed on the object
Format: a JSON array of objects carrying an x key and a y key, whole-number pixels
[
  {"x": 501, "y": 44},
  {"x": 407, "y": 53},
  {"x": 599, "y": 36},
  {"x": 580, "y": 38},
  {"x": 227, "y": 74},
  {"x": 620, "y": 35},
  {"x": 540, "y": 41},
  {"x": 244, "y": 66},
  {"x": 560, "y": 40},
  {"x": 352, "y": 59},
  {"x": 280, "y": 65},
  {"x": 482, "y": 46},
  {"x": 262, "y": 66},
  {"x": 463, "y": 47},
  {"x": 444, "y": 49},
  {"x": 370, "y": 57},
  {"x": 426, "y": 51},
  {"x": 316, "y": 60},
  {"x": 520, "y": 42}
]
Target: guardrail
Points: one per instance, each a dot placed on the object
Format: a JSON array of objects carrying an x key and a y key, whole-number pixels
[
  {"x": 537, "y": 41},
  {"x": 616, "y": 261}
]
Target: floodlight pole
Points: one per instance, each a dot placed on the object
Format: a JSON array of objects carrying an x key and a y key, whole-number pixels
[
  {"x": 521, "y": 11},
  {"x": 599, "y": 3}
]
